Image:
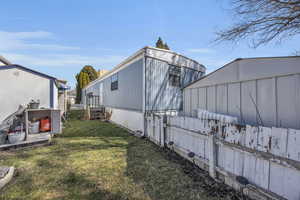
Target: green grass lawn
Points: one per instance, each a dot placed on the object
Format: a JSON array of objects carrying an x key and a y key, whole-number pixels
[{"x": 97, "y": 160}]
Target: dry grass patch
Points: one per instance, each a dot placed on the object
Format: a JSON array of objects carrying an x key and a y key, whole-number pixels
[{"x": 97, "y": 160}]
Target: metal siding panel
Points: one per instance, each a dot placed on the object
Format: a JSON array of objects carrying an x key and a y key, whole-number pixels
[
  {"x": 222, "y": 99},
  {"x": 202, "y": 98},
  {"x": 223, "y": 75},
  {"x": 188, "y": 101},
  {"x": 129, "y": 93},
  {"x": 157, "y": 84},
  {"x": 194, "y": 101},
  {"x": 266, "y": 101},
  {"x": 288, "y": 101},
  {"x": 160, "y": 94},
  {"x": 268, "y": 67},
  {"x": 234, "y": 107},
  {"x": 248, "y": 107},
  {"x": 211, "y": 99}
]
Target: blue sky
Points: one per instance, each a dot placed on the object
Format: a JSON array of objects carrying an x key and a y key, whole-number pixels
[{"x": 59, "y": 37}]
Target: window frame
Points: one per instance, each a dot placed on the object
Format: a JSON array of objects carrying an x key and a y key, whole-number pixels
[
  {"x": 114, "y": 82},
  {"x": 174, "y": 76}
]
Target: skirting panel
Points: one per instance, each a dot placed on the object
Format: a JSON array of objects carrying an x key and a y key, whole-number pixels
[{"x": 133, "y": 120}]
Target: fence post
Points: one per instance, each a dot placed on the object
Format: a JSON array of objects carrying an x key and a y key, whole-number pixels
[
  {"x": 165, "y": 121},
  {"x": 212, "y": 154}
]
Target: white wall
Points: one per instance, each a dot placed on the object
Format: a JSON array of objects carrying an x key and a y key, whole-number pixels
[
  {"x": 19, "y": 87},
  {"x": 133, "y": 120},
  {"x": 251, "y": 89},
  {"x": 55, "y": 96},
  {"x": 250, "y": 69}
]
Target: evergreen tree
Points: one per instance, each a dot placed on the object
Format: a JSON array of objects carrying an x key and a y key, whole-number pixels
[
  {"x": 159, "y": 43},
  {"x": 85, "y": 76},
  {"x": 166, "y": 46},
  {"x": 90, "y": 71},
  {"x": 78, "y": 94}
]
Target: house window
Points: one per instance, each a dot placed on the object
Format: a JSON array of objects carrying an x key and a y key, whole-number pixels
[
  {"x": 174, "y": 76},
  {"x": 114, "y": 82}
]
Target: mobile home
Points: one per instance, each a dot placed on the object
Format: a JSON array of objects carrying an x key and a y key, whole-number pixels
[{"x": 150, "y": 80}]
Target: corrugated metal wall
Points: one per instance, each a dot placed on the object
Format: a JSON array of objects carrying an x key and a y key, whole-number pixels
[
  {"x": 277, "y": 100},
  {"x": 160, "y": 94}
]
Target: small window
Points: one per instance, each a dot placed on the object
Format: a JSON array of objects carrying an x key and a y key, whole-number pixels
[
  {"x": 175, "y": 76},
  {"x": 114, "y": 82}
]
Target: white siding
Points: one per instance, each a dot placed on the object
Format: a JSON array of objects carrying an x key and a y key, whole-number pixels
[
  {"x": 20, "y": 87},
  {"x": 55, "y": 96},
  {"x": 266, "y": 101},
  {"x": 250, "y": 89},
  {"x": 234, "y": 99},
  {"x": 129, "y": 119},
  {"x": 222, "y": 99},
  {"x": 202, "y": 98},
  {"x": 211, "y": 99},
  {"x": 249, "y": 101}
]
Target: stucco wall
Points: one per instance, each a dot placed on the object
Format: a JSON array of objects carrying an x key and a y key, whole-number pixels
[{"x": 19, "y": 87}]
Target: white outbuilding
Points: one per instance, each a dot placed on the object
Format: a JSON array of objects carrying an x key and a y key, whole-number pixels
[
  {"x": 20, "y": 85},
  {"x": 263, "y": 91}
]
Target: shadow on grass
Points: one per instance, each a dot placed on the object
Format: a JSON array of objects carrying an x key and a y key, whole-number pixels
[
  {"x": 147, "y": 164},
  {"x": 93, "y": 129},
  {"x": 97, "y": 160},
  {"x": 79, "y": 187}
]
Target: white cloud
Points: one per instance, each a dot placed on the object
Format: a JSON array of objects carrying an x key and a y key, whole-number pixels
[
  {"x": 201, "y": 50},
  {"x": 26, "y": 35},
  {"x": 23, "y": 40},
  {"x": 62, "y": 60},
  {"x": 11, "y": 42}
]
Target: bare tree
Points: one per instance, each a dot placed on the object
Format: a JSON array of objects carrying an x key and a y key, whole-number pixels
[
  {"x": 262, "y": 21},
  {"x": 296, "y": 53}
]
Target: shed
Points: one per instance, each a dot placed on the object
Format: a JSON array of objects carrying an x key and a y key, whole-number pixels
[
  {"x": 258, "y": 91},
  {"x": 20, "y": 85}
]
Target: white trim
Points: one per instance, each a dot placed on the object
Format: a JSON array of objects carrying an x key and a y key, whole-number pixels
[
  {"x": 143, "y": 92},
  {"x": 144, "y": 82}
]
